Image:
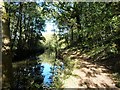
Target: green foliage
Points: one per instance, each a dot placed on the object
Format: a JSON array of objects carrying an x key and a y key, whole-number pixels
[
  {"x": 92, "y": 27},
  {"x": 51, "y": 43},
  {"x": 117, "y": 79},
  {"x": 26, "y": 21},
  {"x": 57, "y": 83}
]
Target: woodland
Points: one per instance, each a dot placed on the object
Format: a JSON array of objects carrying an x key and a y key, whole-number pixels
[{"x": 91, "y": 29}]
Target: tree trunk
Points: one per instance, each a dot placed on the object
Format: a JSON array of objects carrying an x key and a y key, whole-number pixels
[
  {"x": 19, "y": 46},
  {"x": 15, "y": 34},
  {"x": 6, "y": 52},
  {"x": 71, "y": 36},
  {"x": 0, "y": 48},
  {"x": 78, "y": 15}
]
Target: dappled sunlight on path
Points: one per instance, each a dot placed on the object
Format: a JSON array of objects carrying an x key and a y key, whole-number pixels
[{"x": 89, "y": 75}]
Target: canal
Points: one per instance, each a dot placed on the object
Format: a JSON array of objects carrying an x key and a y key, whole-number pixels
[{"x": 37, "y": 73}]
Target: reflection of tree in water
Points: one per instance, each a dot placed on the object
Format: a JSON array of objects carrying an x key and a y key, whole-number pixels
[
  {"x": 31, "y": 76},
  {"x": 28, "y": 77}
]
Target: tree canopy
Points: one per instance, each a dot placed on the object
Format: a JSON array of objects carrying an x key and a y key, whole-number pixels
[{"x": 92, "y": 27}]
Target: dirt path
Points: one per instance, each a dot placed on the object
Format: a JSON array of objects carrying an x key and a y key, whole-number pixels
[{"x": 89, "y": 76}]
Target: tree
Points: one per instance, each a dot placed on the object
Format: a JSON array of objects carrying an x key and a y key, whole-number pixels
[
  {"x": 26, "y": 24},
  {"x": 6, "y": 52},
  {"x": 91, "y": 27}
]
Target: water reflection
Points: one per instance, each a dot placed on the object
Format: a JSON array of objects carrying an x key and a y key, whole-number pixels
[
  {"x": 28, "y": 77},
  {"x": 35, "y": 75},
  {"x": 47, "y": 73}
]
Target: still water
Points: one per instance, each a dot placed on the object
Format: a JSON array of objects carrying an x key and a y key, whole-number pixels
[
  {"x": 47, "y": 73},
  {"x": 35, "y": 72}
]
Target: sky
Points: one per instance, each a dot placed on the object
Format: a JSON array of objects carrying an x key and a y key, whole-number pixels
[
  {"x": 49, "y": 26},
  {"x": 48, "y": 29}
]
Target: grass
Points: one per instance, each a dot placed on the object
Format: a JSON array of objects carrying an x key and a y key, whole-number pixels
[{"x": 117, "y": 79}]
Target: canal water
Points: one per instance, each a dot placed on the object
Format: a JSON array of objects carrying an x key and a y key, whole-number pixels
[{"x": 36, "y": 72}]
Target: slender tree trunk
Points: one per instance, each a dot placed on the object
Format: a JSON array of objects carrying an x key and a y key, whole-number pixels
[
  {"x": 78, "y": 15},
  {"x": 6, "y": 52},
  {"x": 20, "y": 31},
  {"x": 15, "y": 34},
  {"x": 71, "y": 36}
]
